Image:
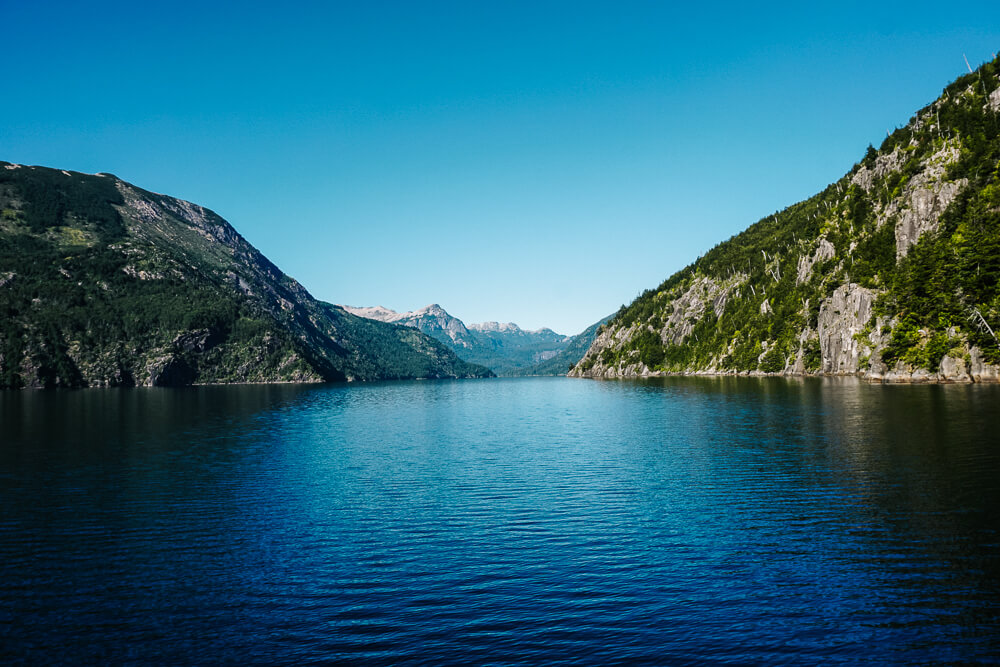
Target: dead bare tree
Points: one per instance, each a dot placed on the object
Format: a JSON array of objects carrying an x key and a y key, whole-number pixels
[
  {"x": 775, "y": 272},
  {"x": 977, "y": 318}
]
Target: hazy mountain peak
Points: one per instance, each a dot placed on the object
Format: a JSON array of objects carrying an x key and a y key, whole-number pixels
[
  {"x": 502, "y": 327},
  {"x": 380, "y": 313}
]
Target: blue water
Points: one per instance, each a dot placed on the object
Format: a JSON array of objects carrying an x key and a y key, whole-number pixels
[{"x": 513, "y": 521}]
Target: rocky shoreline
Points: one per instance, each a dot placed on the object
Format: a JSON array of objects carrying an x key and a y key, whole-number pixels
[{"x": 952, "y": 371}]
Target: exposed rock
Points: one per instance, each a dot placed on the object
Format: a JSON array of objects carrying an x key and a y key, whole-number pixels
[
  {"x": 884, "y": 165},
  {"x": 141, "y": 274},
  {"x": 170, "y": 371},
  {"x": 925, "y": 208},
  {"x": 925, "y": 198},
  {"x": 824, "y": 251},
  {"x": 496, "y": 327},
  {"x": 954, "y": 370},
  {"x": 504, "y": 347},
  {"x": 432, "y": 320},
  {"x": 894, "y": 200},
  {"x": 199, "y": 340},
  {"x": 993, "y": 104},
  {"x": 143, "y": 209},
  {"x": 841, "y": 318},
  {"x": 980, "y": 370},
  {"x": 690, "y": 306}
]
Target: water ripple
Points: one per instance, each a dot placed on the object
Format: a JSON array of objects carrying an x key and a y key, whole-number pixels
[{"x": 689, "y": 521}]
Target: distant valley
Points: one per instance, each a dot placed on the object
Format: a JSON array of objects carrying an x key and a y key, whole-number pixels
[{"x": 504, "y": 348}]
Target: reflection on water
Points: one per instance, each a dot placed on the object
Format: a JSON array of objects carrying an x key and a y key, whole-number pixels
[{"x": 527, "y": 520}]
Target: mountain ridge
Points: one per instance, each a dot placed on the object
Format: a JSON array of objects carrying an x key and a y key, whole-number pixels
[{"x": 384, "y": 314}]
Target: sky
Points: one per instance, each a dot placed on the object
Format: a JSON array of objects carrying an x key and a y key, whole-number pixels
[{"x": 538, "y": 162}]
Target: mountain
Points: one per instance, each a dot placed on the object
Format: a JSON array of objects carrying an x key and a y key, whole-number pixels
[
  {"x": 504, "y": 348},
  {"x": 105, "y": 284},
  {"x": 565, "y": 360},
  {"x": 433, "y": 320},
  {"x": 892, "y": 273}
]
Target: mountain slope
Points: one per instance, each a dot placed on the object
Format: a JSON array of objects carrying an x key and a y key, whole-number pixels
[
  {"x": 891, "y": 273},
  {"x": 504, "y": 348},
  {"x": 575, "y": 348},
  {"x": 105, "y": 284}
]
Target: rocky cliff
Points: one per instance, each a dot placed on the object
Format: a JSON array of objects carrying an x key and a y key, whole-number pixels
[
  {"x": 105, "y": 284},
  {"x": 892, "y": 273}
]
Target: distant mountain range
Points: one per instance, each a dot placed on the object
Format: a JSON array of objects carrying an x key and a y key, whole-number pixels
[
  {"x": 103, "y": 283},
  {"x": 504, "y": 348},
  {"x": 433, "y": 320}
]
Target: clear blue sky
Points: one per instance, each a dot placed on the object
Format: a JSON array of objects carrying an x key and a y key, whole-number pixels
[{"x": 533, "y": 162}]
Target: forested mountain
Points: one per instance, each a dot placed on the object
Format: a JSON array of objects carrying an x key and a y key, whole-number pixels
[
  {"x": 891, "y": 273},
  {"x": 504, "y": 348},
  {"x": 105, "y": 284}
]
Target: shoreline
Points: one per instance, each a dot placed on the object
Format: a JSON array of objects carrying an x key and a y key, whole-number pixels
[{"x": 917, "y": 377}]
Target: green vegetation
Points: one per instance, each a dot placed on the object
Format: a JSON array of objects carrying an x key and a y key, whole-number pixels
[{"x": 48, "y": 198}]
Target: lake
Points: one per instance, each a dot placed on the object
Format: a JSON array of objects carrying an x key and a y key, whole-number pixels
[{"x": 511, "y": 521}]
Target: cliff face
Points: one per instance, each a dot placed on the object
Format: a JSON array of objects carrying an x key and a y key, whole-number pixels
[
  {"x": 105, "y": 284},
  {"x": 892, "y": 273}
]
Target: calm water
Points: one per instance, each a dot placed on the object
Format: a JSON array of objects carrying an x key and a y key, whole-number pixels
[{"x": 535, "y": 520}]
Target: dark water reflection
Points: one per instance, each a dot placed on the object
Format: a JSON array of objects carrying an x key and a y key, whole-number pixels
[{"x": 687, "y": 520}]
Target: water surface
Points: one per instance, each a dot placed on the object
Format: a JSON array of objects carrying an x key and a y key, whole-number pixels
[{"x": 537, "y": 520}]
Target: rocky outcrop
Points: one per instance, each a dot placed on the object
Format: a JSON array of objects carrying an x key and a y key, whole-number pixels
[
  {"x": 842, "y": 321},
  {"x": 866, "y": 177},
  {"x": 170, "y": 371},
  {"x": 994, "y": 101},
  {"x": 926, "y": 197},
  {"x": 703, "y": 295},
  {"x": 924, "y": 208},
  {"x": 980, "y": 370},
  {"x": 804, "y": 270}
]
